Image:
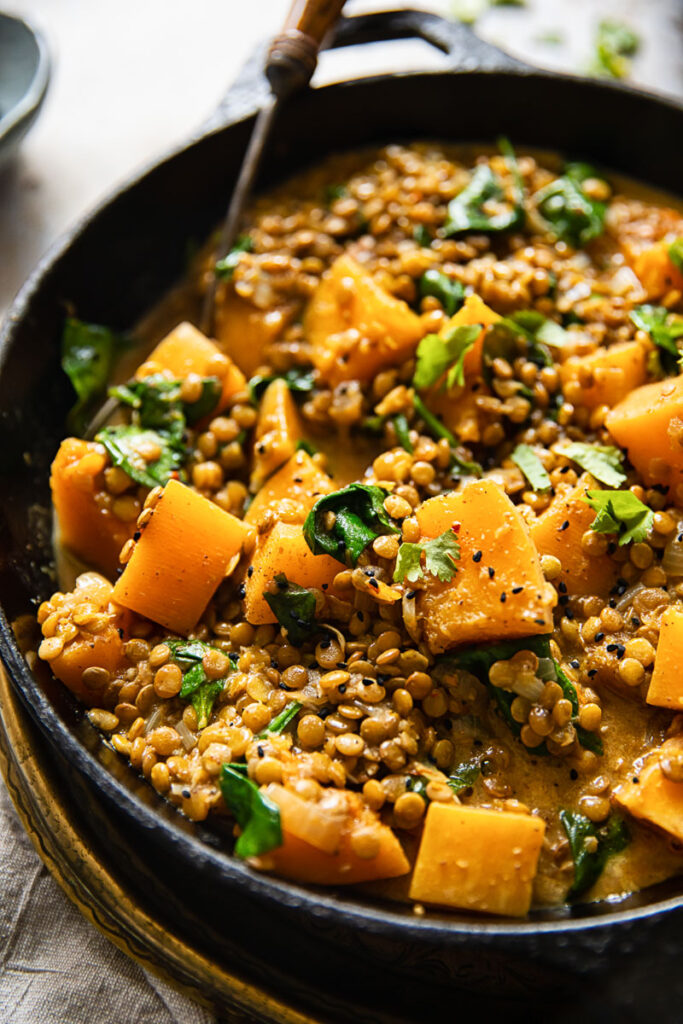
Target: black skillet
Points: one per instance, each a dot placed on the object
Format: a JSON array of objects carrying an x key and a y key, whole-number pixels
[{"x": 344, "y": 954}]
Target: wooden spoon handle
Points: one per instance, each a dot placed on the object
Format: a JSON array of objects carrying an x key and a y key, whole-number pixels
[{"x": 293, "y": 54}]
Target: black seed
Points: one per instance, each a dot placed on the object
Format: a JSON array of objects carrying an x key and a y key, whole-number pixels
[
  {"x": 635, "y": 780},
  {"x": 635, "y": 621},
  {"x": 476, "y": 557},
  {"x": 503, "y": 598},
  {"x": 492, "y": 572},
  {"x": 612, "y": 647},
  {"x": 574, "y": 663},
  {"x": 573, "y": 774},
  {"x": 260, "y": 751},
  {"x": 599, "y": 637},
  {"x": 592, "y": 672},
  {"x": 250, "y": 571},
  {"x": 562, "y": 587},
  {"x": 517, "y": 590},
  {"x": 565, "y": 525},
  {"x": 569, "y": 614},
  {"x": 242, "y": 592}
]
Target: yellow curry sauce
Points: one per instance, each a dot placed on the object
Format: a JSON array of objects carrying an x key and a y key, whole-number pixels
[{"x": 457, "y": 679}]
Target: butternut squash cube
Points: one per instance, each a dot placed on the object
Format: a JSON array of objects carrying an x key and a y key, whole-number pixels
[
  {"x": 86, "y": 524},
  {"x": 278, "y": 429},
  {"x": 605, "y": 376},
  {"x": 648, "y": 423},
  {"x": 244, "y": 332},
  {"x": 655, "y": 271},
  {"x": 291, "y": 491},
  {"x": 284, "y": 550},
  {"x": 649, "y": 795},
  {"x": 558, "y": 532},
  {"x": 473, "y": 311},
  {"x": 180, "y": 559},
  {"x": 666, "y": 685},
  {"x": 186, "y": 350},
  {"x": 355, "y": 327},
  {"x": 342, "y": 848},
  {"x": 498, "y": 590},
  {"x": 477, "y": 859}
]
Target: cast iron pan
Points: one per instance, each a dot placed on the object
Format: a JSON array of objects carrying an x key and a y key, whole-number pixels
[{"x": 330, "y": 950}]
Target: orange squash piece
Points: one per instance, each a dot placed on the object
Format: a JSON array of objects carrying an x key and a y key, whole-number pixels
[
  {"x": 284, "y": 550},
  {"x": 291, "y": 491},
  {"x": 581, "y": 573},
  {"x": 649, "y": 795},
  {"x": 186, "y": 350},
  {"x": 666, "y": 685},
  {"x": 605, "y": 376},
  {"x": 655, "y": 271},
  {"x": 500, "y": 593},
  {"x": 343, "y": 858},
  {"x": 243, "y": 331},
  {"x": 180, "y": 559},
  {"x": 473, "y": 311},
  {"x": 477, "y": 859},
  {"x": 91, "y": 601},
  {"x": 355, "y": 327},
  {"x": 648, "y": 423},
  {"x": 278, "y": 429},
  {"x": 86, "y": 526}
]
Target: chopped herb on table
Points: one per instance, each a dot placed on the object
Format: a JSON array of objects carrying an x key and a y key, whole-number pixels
[
  {"x": 615, "y": 44},
  {"x": 592, "y": 845},
  {"x": 257, "y": 815},
  {"x": 343, "y": 523}
]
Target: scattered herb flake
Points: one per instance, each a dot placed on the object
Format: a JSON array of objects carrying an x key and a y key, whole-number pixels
[
  {"x": 256, "y": 814},
  {"x": 450, "y": 293},
  {"x": 293, "y": 607},
  {"x": 438, "y": 355},
  {"x": 464, "y": 775},
  {"x": 567, "y": 210},
  {"x": 601, "y": 461},
  {"x": 440, "y": 556},
  {"x": 620, "y": 512}
]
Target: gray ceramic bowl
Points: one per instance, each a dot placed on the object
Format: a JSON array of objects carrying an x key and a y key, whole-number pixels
[{"x": 24, "y": 75}]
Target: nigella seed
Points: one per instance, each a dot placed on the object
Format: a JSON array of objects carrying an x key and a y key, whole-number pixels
[
  {"x": 565, "y": 525},
  {"x": 503, "y": 598},
  {"x": 599, "y": 637},
  {"x": 492, "y": 572},
  {"x": 476, "y": 557},
  {"x": 562, "y": 587},
  {"x": 517, "y": 590},
  {"x": 250, "y": 571},
  {"x": 574, "y": 663}
]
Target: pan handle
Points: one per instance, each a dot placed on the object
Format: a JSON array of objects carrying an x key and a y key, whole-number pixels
[{"x": 465, "y": 50}]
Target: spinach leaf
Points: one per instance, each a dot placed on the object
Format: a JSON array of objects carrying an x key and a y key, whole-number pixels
[
  {"x": 611, "y": 838},
  {"x": 437, "y": 429},
  {"x": 676, "y": 253},
  {"x": 568, "y": 211},
  {"x": 256, "y": 814},
  {"x": 299, "y": 380},
  {"x": 478, "y": 661},
  {"x": 122, "y": 444},
  {"x": 88, "y": 355},
  {"x": 226, "y": 266},
  {"x": 615, "y": 42},
  {"x": 440, "y": 556},
  {"x": 528, "y": 461},
  {"x": 450, "y": 294},
  {"x": 196, "y": 686},
  {"x": 664, "y": 331},
  {"x": 464, "y": 775},
  {"x": 403, "y": 432},
  {"x": 157, "y": 404},
  {"x": 293, "y": 607},
  {"x": 467, "y": 212},
  {"x": 438, "y": 355},
  {"x": 281, "y": 721},
  {"x": 600, "y": 460},
  {"x": 620, "y": 512},
  {"x": 358, "y": 517},
  {"x": 422, "y": 236}
]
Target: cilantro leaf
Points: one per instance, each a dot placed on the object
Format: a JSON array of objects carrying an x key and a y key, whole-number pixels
[
  {"x": 281, "y": 721},
  {"x": 464, "y": 775},
  {"x": 358, "y": 517},
  {"x": 225, "y": 267},
  {"x": 88, "y": 355},
  {"x": 437, "y": 356},
  {"x": 612, "y": 837},
  {"x": 257, "y": 815},
  {"x": 122, "y": 445},
  {"x": 664, "y": 330},
  {"x": 567, "y": 210},
  {"x": 440, "y": 556},
  {"x": 299, "y": 380},
  {"x": 676, "y": 253},
  {"x": 600, "y": 460},
  {"x": 620, "y": 512},
  {"x": 293, "y": 607},
  {"x": 450, "y": 294},
  {"x": 528, "y": 461},
  {"x": 615, "y": 42}
]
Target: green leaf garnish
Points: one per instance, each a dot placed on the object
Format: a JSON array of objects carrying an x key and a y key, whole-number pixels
[
  {"x": 464, "y": 775},
  {"x": 664, "y": 329},
  {"x": 281, "y": 721},
  {"x": 567, "y": 210},
  {"x": 450, "y": 294},
  {"x": 468, "y": 211},
  {"x": 122, "y": 446},
  {"x": 528, "y": 461},
  {"x": 333, "y": 192},
  {"x": 620, "y": 512},
  {"x": 675, "y": 251},
  {"x": 293, "y": 607},
  {"x": 526, "y": 332},
  {"x": 615, "y": 43},
  {"x": 302, "y": 445},
  {"x": 196, "y": 686},
  {"x": 256, "y": 814},
  {"x": 88, "y": 355},
  {"x": 437, "y": 356},
  {"x": 612, "y": 837},
  {"x": 437, "y": 429},
  {"x": 299, "y": 380},
  {"x": 422, "y": 236},
  {"x": 403, "y": 432},
  {"x": 358, "y": 517},
  {"x": 440, "y": 556},
  {"x": 225, "y": 267},
  {"x": 600, "y": 460}
]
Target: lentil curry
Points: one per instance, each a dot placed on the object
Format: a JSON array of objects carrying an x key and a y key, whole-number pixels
[{"x": 389, "y": 574}]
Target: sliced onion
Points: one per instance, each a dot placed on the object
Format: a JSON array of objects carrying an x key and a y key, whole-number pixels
[
  {"x": 627, "y": 598},
  {"x": 409, "y": 610},
  {"x": 529, "y": 688},
  {"x": 188, "y": 738},
  {"x": 672, "y": 560},
  {"x": 155, "y": 719}
]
